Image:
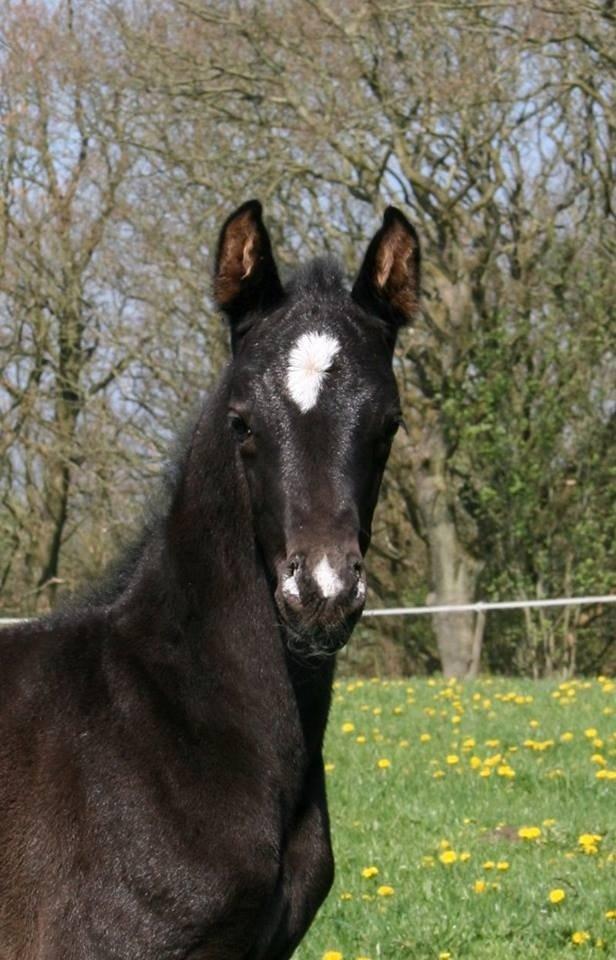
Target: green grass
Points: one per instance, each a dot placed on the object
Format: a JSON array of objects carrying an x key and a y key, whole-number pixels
[{"x": 402, "y": 817}]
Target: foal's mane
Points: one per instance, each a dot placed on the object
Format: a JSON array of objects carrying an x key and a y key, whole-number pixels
[{"x": 118, "y": 573}]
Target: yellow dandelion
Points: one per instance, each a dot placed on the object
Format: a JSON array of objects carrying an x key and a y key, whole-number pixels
[
  {"x": 502, "y": 865},
  {"x": 385, "y": 891},
  {"x": 488, "y": 865},
  {"x": 346, "y": 895},
  {"x": 347, "y": 727},
  {"x": 578, "y": 937},
  {"x": 383, "y": 763},
  {"x": 425, "y": 738},
  {"x": 589, "y": 842},
  {"x": 452, "y": 759},
  {"x": 505, "y": 771},
  {"x": 610, "y": 914},
  {"x": 329, "y": 767},
  {"x": 480, "y": 886},
  {"x": 557, "y": 895},
  {"x": 368, "y": 872},
  {"x": 448, "y": 857},
  {"x": 332, "y": 955},
  {"x": 529, "y": 833}
]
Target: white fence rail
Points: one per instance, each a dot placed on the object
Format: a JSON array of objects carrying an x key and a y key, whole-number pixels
[
  {"x": 481, "y": 606},
  {"x": 450, "y": 608}
]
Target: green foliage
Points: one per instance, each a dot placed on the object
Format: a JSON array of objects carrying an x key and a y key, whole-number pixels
[{"x": 531, "y": 427}]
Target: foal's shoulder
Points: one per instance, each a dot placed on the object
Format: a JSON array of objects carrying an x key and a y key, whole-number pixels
[{"x": 44, "y": 645}]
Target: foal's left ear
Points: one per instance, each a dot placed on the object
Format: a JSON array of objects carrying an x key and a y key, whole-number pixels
[
  {"x": 246, "y": 277},
  {"x": 388, "y": 282}
]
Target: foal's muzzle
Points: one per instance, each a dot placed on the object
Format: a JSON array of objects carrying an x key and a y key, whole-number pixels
[{"x": 322, "y": 593}]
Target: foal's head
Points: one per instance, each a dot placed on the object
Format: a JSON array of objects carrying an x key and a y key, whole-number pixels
[{"x": 313, "y": 410}]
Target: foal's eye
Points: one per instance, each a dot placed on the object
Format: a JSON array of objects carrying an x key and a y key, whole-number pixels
[
  {"x": 392, "y": 425},
  {"x": 240, "y": 428}
]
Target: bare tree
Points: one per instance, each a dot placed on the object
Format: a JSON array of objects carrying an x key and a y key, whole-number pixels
[{"x": 64, "y": 163}]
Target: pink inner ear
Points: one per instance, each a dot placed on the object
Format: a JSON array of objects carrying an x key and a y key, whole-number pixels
[
  {"x": 393, "y": 258},
  {"x": 394, "y": 272},
  {"x": 238, "y": 257},
  {"x": 249, "y": 255},
  {"x": 384, "y": 262}
]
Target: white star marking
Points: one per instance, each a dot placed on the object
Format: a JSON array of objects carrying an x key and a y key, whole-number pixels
[{"x": 309, "y": 361}]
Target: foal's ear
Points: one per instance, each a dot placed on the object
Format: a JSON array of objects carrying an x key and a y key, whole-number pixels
[
  {"x": 388, "y": 281},
  {"x": 246, "y": 277}
]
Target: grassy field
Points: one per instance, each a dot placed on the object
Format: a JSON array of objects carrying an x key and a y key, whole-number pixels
[{"x": 471, "y": 822}]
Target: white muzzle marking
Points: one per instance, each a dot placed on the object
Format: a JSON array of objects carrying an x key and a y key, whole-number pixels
[
  {"x": 327, "y": 580},
  {"x": 309, "y": 361},
  {"x": 290, "y": 587}
]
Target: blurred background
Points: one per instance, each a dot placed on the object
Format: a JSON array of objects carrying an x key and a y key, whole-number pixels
[{"x": 128, "y": 132}]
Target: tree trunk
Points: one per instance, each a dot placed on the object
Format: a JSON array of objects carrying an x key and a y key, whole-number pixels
[
  {"x": 454, "y": 576},
  {"x": 454, "y": 571},
  {"x": 68, "y": 406}
]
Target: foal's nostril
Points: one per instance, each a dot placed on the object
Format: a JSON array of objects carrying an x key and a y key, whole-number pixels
[
  {"x": 355, "y": 565},
  {"x": 289, "y": 579},
  {"x": 294, "y": 564}
]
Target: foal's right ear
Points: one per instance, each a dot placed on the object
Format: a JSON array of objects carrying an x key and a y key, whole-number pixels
[{"x": 246, "y": 277}]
